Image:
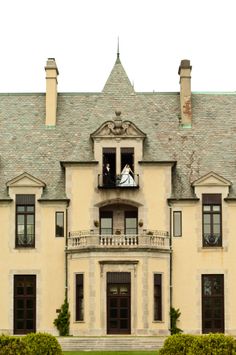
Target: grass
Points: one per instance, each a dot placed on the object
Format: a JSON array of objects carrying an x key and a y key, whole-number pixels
[{"x": 110, "y": 352}]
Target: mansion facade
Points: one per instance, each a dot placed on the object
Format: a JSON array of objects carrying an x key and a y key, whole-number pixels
[{"x": 124, "y": 202}]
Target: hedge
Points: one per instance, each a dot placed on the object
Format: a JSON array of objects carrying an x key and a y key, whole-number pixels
[
  {"x": 31, "y": 344},
  {"x": 212, "y": 344}
]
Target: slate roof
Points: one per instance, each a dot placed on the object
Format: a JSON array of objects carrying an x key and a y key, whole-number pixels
[{"x": 27, "y": 145}]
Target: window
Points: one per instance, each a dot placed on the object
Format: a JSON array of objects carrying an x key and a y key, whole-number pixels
[
  {"x": 157, "y": 298},
  {"x": 177, "y": 223},
  {"x": 106, "y": 222},
  {"x": 24, "y": 304},
  {"x": 212, "y": 220},
  {"x": 59, "y": 224},
  {"x": 213, "y": 303},
  {"x": 127, "y": 157},
  {"x": 79, "y": 316},
  {"x": 131, "y": 222},
  {"x": 25, "y": 220}
]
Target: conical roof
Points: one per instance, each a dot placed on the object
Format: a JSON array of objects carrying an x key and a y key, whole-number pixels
[{"x": 118, "y": 81}]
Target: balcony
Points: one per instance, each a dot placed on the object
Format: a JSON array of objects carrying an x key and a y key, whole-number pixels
[
  {"x": 25, "y": 241},
  {"x": 212, "y": 240},
  {"x": 120, "y": 181},
  {"x": 152, "y": 239}
]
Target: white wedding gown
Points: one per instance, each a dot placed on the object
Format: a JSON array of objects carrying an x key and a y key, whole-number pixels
[{"x": 126, "y": 178}]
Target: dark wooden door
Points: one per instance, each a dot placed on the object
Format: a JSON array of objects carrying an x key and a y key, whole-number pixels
[
  {"x": 213, "y": 303},
  {"x": 24, "y": 304},
  {"x": 118, "y": 308}
]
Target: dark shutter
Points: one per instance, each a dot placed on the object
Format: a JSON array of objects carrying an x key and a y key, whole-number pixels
[
  {"x": 118, "y": 277},
  {"x": 211, "y": 199},
  {"x": 79, "y": 279},
  {"x": 157, "y": 279},
  {"x": 25, "y": 200}
]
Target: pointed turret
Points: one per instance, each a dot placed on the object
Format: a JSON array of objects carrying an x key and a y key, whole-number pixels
[{"x": 118, "y": 81}]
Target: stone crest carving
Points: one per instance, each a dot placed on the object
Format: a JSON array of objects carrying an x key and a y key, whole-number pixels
[{"x": 118, "y": 128}]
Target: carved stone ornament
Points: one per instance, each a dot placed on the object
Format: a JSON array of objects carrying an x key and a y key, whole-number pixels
[{"x": 118, "y": 128}]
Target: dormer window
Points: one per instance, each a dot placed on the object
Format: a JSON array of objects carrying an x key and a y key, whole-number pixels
[
  {"x": 25, "y": 221},
  {"x": 212, "y": 228},
  {"x": 127, "y": 158},
  {"x": 118, "y": 146}
]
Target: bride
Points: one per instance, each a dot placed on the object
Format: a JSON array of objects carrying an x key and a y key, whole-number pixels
[{"x": 126, "y": 177}]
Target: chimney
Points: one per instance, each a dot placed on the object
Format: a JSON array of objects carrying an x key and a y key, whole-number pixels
[
  {"x": 185, "y": 93},
  {"x": 51, "y": 92}
]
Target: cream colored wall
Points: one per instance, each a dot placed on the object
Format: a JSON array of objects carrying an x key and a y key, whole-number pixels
[
  {"x": 80, "y": 188},
  {"x": 141, "y": 269},
  {"x": 191, "y": 260},
  {"x": 150, "y": 198},
  {"x": 46, "y": 261}
]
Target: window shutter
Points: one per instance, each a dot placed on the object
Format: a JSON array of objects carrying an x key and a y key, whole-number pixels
[
  {"x": 211, "y": 199},
  {"x": 25, "y": 200},
  {"x": 118, "y": 277}
]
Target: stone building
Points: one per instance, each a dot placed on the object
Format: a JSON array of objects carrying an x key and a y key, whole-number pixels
[{"x": 123, "y": 201}]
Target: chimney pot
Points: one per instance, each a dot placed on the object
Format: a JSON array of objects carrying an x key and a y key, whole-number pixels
[
  {"x": 185, "y": 93},
  {"x": 51, "y": 91}
]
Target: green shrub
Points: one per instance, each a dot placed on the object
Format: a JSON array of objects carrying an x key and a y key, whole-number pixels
[
  {"x": 210, "y": 344},
  {"x": 174, "y": 318},
  {"x": 62, "y": 322},
  {"x": 177, "y": 344},
  {"x": 10, "y": 345},
  {"x": 42, "y": 344},
  {"x": 214, "y": 344}
]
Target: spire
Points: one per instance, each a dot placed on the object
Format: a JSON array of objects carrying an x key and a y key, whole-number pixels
[
  {"x": 118, "y": 81},
  {"x": 118, "y": 51}
]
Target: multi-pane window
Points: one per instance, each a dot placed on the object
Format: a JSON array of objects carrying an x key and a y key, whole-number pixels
[
  {"x": 212, "y": 220},
  {"x": 213, "y": 303},
  {"x": 24, "y": 304},
  {"x": 177, "y": 223},
  {"x": 157, "y": 297},
  {"x": 79, "y": 314},
  {"x": 25, "y": 220},
  {"x": 106, "y": 222},
  {"x": 131, "y": 225},
  {"x": 59, "y": 224}
]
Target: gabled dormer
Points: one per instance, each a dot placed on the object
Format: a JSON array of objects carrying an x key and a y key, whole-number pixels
[
  {"x": 211, "y": 183},
  {"x": 118, "y": 144},
  {"x": 25, "y": 184}
]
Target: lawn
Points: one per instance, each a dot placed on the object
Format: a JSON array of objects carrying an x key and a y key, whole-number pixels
[{"x": 110, "y": 352}]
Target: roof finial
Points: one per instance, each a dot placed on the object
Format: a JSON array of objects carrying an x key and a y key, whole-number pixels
[
  {"x": 118, "y": 48},
  {"x": 118, "y": 51}
]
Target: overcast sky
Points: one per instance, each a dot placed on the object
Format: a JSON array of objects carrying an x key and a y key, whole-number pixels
[{"x": 154, "y": 36}]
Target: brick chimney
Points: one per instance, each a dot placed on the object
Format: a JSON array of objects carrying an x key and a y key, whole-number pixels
[
  {"x": 51, "y": 92},
  {"x": 185, "y": 93}
]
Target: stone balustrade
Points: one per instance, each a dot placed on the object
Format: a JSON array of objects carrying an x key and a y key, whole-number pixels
[{"x": 147, "y": 239}]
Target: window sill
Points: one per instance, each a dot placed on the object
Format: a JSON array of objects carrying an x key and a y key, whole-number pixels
[
  {"x": 158, "y": 321},
  {"x": 25, "y": 248},
  {"x": 79, "y": 321},
  {"x": 206, "y": 249}
]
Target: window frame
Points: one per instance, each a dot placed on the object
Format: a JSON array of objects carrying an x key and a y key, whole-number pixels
[
  {"x": 79, "y": 299},
  {"x": 174, "y": 224},
  {"x": 211, "y": 200},
  {"x": 157, "y": 297},
  {"x": 130, "y": 215},
  {"x": 211, "y": 296},
  {"x": 25, "y": 201},
  {"x": 106, "y": 215},
  {"x": 63, "y": 226}
]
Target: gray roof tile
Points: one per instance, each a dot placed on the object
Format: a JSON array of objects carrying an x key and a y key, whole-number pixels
[{"x": 27, "y": 145}]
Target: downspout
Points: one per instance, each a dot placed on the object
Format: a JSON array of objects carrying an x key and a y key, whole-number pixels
[
  {"x": 66, "y": 255},
  {"x": 171, "y": 258}
]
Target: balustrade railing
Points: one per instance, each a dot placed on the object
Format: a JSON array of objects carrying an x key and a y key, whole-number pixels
[
  {"x": 90, "y": 239},
  {"x": 118, "y": 181}
]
